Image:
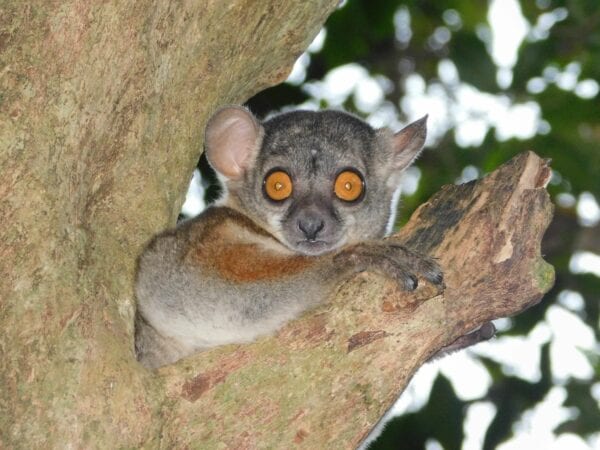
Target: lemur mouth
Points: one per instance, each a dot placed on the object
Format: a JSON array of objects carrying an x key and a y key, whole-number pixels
[{"x": 314, "y": 247}]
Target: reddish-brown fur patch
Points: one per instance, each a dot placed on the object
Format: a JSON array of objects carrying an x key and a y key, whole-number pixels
[
  {"x": 246, "y": 262},
  {"x": 220, "y": 246}
]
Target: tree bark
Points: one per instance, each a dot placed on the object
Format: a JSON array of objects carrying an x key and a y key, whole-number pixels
[
  {"x": 102, "y": 109},
  {"x": 324, "y": 380}
]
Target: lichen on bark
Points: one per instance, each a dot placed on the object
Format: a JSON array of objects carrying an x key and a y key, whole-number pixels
[{"x": 101, "y": 117}]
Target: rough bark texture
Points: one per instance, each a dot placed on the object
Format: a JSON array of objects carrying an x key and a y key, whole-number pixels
[
  {"x": 102, "y": 107},
  {"x": 325, "y": 380},
  {"x": 101, "y": 113}
]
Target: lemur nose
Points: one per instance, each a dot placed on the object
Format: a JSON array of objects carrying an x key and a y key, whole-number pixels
[{"x": 311, "y": 226}]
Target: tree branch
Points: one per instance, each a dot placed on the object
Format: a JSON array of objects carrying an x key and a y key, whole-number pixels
[
  {"x": 101, "y": 119},
  {"x": 325, "y": 379}
]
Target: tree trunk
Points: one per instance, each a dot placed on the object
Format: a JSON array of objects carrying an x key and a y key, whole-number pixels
[{"x": 102, "y": 109}]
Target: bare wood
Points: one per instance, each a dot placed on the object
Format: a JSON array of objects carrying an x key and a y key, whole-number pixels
[
  {"x": 102, "y": 110},
  {"x": 325, "y": 379}
]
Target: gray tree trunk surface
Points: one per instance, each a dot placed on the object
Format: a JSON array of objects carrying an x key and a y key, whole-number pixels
[{"x": 102, "y": 107}]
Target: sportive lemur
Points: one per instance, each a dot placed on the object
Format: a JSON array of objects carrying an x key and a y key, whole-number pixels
[{"x": 308, "y": 197}]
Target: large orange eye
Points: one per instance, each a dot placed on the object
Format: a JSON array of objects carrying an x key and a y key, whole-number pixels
[
  {"x": 278, "y": 185},
  {"x": 349, "y": 186}
]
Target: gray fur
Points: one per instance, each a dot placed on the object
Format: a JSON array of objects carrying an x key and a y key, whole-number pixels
[{"x": 188, "y": 301}]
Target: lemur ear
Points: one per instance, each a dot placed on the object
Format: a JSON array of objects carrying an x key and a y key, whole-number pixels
[
  {"x": 232, "y": 139},
  {"x": 408, "y": 143}
]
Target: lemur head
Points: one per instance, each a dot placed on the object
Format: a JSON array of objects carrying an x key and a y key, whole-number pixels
[{"x": 317, "y": 181}]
